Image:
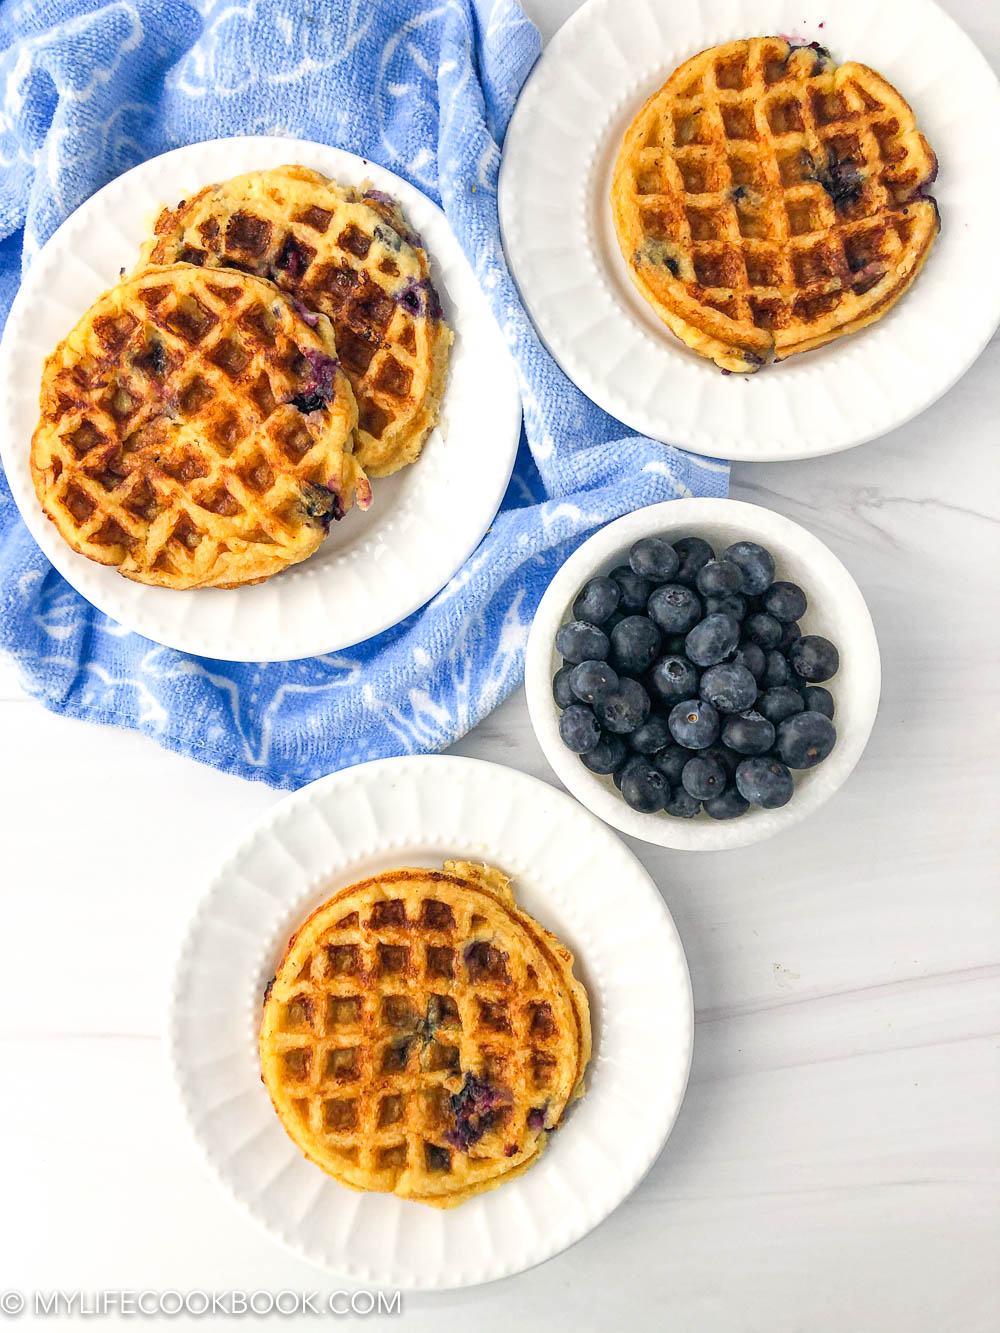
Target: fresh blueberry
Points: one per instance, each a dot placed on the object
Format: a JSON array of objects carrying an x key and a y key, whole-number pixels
[
  {"x": 673, "y": 608},
  {"x": 633, "y": 761},
  {"x": 749, "y": 733},
  {"x": 653, "y": 735},
  {"x": 817, "y": 700},
  {"x": 728, "y": 687},
  {"x": 634, "y": 644},
  {"x": 751, "y": 655},
  {"x": 694, "y": 554},
  {"x": 645, "y": 789},
  {"x": 655, "y": 559},
  {"x": 633, "y": 589},
  {"x": 673, "y": 678},
  {"x": 580, "y": 642},
  {"x": 734, "y": 604},
  {"x": 755, "y": 564},
  {"x": 718, "y": 578},
  {"x": 591, "y": 681},
  {"x": 779, "y": 703},
  {"x": 789, "y": 633},
  {"x": 776, "y": 670},
  {"x": 703, "y": 777},
  {"x": 671, "y": 763},
  {"x": 765, "y": 781},
  {"x": 785, "y": 601},
  {"x": 762, "y": 629},
  {"x": 562, "y": 690},
  {"x": 596, "y": 600},
  {"x": 608, "y": 754},
  {"x": 615, "y": 618},
  {"x": 626, "y": 709},
  {"x": 805, "y": 739},
  {"x": 712, "y": 639},
  {"x": 723, "y": 756},
  {"x": 578, "y": 729},
  {"x": 730, "y": 805},
  {"x": 694, "y": 724},
  {"x": 682, "y": 805},
  {"x": 814, "y": 658}
]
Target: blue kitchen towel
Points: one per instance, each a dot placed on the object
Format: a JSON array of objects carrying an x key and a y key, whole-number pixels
[{"x": 426, "y": 88}]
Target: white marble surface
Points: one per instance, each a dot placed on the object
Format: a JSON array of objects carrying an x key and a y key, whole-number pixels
[{"x": 835, "y": 1166}]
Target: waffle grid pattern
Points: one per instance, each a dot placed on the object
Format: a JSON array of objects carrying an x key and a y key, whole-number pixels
[
  {"x": 168, "y": 445},
  {"x": 784, "y": 193}
]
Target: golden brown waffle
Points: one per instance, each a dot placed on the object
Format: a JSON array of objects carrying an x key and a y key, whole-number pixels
[
  {"x": 195, "y": 431},
  {"x": 349, "y": 255},
  {"x": 423, "y": 1034},
  {"x": 768, "y": 201}
]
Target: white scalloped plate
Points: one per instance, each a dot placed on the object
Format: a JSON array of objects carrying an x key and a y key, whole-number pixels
[
  {"x": 374, "y": 569},
  {"x": 574, "y": 875},
  {"x": 560, "y": 241}
]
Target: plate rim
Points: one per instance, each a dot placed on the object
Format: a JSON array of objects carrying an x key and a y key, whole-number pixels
[
  {"x": 604, "y": 393},
  {"x": 287, "y": 808},
  {"x": 221, "y": 645}
]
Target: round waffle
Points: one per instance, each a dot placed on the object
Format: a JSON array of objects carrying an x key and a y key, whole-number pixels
[
  {"x": 767, "y": 201},
  {"x": 347, "y": 254},
  {"x": 195, "y": 431},
  {"x": 423, "y": 1034}
]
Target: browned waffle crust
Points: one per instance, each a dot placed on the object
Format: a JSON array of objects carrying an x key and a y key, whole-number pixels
[
  {"x": 348, "y": 254},
  {"x": 767, "y": 200},
  {"x": 423, "y": 1034},
  {"x": 195, "y": 431}
]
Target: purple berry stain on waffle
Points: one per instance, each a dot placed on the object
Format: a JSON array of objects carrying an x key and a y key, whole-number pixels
[{"x": 475, "y": 1109}]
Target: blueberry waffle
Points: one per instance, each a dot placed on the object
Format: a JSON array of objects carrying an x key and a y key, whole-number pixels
[
  {"x": 767, "y": 201},
  {"x": 423, "y": 1034},
  {"x": 196, "y": 431},
  {"x": 344, "y": 253}
]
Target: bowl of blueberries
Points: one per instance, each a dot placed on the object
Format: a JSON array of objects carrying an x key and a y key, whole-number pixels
[{"x": 702, "y": 674}]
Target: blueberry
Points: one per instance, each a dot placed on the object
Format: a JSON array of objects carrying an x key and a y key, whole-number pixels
[
  {"x": 730, "y": 805},
  {"x": 694, "y": 724},
  {"x": 673, "y": 608},
  {"x": 655, "y": 559},
  {"x": 725, "y": 757},
  {"x": 562, "y": 690},
  {"x": 817, "y": 700},
  {"x": 635, "y": 641},
  {"x": 634, "y": 761},
  {"x": 694, "y": 554},
  {"x": 596, "y": 600},
  {"x": 751, "y": 655},
  {"x": 682, "y": 805},
  {"x": 789, "y": 633},
  {"x": 578, "y": 729},
  {"x": 755, "y": 564},
  {"x": 805, "y": 739},
  {"x": 814, "y": 658},
  {"x": 749, "y": 733},
  {"x": 615, "y": 618},
  {"x": 763, "y": 629},
  {"x": 626, "y": 709},
  {"x": 728, "y": 687},
  {"x": 703, "y": 777},
  {"x": 712, "y": 639},
  {"x": 779, "y": 703},
  {"x": 735, "y": 605},
  {"x": 718, "y": 578},
  {"x": 776, "y": 670},
  {"x": 673, "y": 678},
  {"x": 765, "y": 781},
  {"x": 645, "y": 789},
  {"x": 671, "y": 762},
  {"x": 580, "y": 642},
  {"x": 591, "y": 681},
  {"x": 608, "y": 754},
  {"x": 785, "y": 601},
  {"x": 633, "y": 589},
  {"x": 653, "y": 735}
]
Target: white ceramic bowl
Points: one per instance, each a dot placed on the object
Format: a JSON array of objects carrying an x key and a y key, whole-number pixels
[{"x": 836, "y": 610}]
